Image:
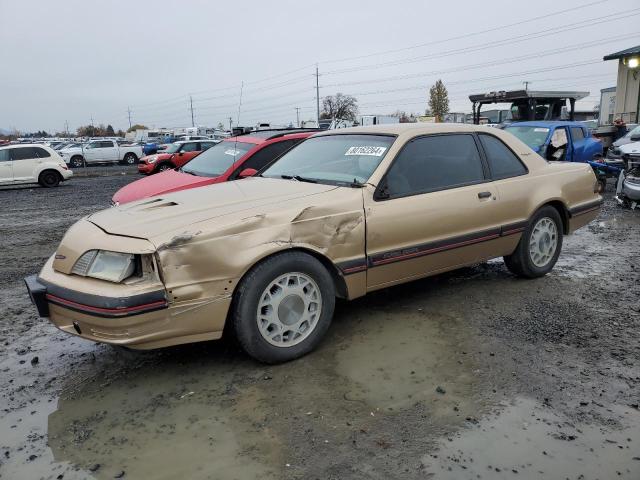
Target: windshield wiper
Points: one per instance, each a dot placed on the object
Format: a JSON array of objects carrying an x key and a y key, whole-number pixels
[{"x": 298, "y": 178}]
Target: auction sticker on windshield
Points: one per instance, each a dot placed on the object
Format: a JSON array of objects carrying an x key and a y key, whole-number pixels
[
  {"x": 231, "y": 151},
  {"x": 364, "y": 150}
]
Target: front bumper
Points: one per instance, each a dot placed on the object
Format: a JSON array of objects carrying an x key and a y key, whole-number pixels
[
  {"x": 614, "y": 162},
  {"x": 631, "y": 190},
  {"x": 142, "y": 321},
  {"x": 145, "y": 168}
]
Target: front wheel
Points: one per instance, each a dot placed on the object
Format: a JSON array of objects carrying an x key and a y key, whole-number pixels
[
  {"x": 76, "y": 162},
  {"x": 539, "y": 247},
  {"x": 283, "y": 307},
  {"x": 163, "y": 167}
]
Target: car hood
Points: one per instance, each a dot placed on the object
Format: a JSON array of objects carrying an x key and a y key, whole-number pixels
[
  {"x": 181, "y": 211},
  {"x": 633, "y": 147},
  {"x": 159, "y": 184},
  {"x": 69, "y": 151},
  {"x": 159, "y": 155}
]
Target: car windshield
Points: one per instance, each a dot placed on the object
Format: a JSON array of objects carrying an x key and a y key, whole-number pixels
[
  {"x": 173, "y": 148},
  {"x": 336, "y": 159},
  {"x": 216, "y": 160},
  {"x": 532, "y": 136},
  {"x": 634, "y": 132}
]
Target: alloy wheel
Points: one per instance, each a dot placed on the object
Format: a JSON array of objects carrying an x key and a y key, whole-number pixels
[
  {"x": 289, "y": 309},
  {"x": 543, "y": 242}
]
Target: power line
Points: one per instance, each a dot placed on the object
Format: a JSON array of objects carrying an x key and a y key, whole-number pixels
[
  {"x": 467, "y": 35},
  {"x": 495, "y": 43},
  {"x": 435, "y": 42}
]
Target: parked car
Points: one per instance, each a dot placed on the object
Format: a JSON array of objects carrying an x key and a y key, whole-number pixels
[
  {"x": 559, "y": 140},
  {"x": 344, "y": 213},
  {"x": 25, "y": 163},
  {"x": 101, "y": 151},
  {"x": 628, "y": 185},
  {"x": 616, "y": 152},
  {"x": 174, "y": 156},
  {"x": 230, "y": 159}
]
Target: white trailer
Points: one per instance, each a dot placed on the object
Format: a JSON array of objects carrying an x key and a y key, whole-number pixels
[{"x": 366, "y": 120}]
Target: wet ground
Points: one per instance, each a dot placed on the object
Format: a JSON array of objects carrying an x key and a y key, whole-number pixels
[{"x": 472, "y": 374}]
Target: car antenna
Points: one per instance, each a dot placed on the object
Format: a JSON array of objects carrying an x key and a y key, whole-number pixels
[{"x": 235, "y": 144}]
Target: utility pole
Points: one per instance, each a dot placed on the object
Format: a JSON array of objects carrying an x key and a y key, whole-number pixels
[
  {"x": 298, "y": 116},
  {"x": 193, "y": 123},
  {"x": 66, "y": 127},
  {"x": 317, "y": 97},
  {"x": 93, "y": 129},
  {"x": 230, "y": 123},
  {"x": 129, "y": 113},
  {"x": 526, "y": 85}
]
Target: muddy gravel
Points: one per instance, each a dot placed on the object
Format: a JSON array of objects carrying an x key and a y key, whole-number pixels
[{"x": 472, "y": 374}]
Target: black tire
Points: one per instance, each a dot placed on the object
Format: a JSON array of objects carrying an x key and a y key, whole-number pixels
[
  {"x": 520, "y": 262},
  {"x": 602, "y": 185},
  {"x": 130, "y": 159},
  {"x": 163, "y": 167},
  {"x": 76, "y": 162},
  {"x": 49, "y": 179},
  {"x": 244, "y": 308}
]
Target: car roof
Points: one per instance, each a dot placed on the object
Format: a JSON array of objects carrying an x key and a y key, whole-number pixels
[
  {"x": 547, "y": 123},
  {"x": 20, "y": 145},
  {"x": 410, "y": 128},
  {"x": 261, "y": 136}
]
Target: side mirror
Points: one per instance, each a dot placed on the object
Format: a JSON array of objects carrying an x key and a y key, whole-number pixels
[
  {"x": 635, "y": 138},
  {"x": 180, "y": 154},
  {"x": 247, "y": 172}
]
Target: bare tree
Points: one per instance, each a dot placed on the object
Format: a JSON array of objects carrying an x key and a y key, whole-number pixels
[
  {"x": 344, "y": 107},
  {"x": 404, "y": 118},
  {"x": 438, "y": 100}
]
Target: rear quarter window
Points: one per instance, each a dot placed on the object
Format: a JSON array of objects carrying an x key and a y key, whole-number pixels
[
  {"x": 503, "y": 163},
  {"x": 42, "y": 153}
]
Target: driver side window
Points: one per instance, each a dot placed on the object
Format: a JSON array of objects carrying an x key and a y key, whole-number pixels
[{"x": 432, "y": 163}]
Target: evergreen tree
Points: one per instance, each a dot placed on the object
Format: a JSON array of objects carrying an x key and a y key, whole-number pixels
[{"x": 438, "y": 100}]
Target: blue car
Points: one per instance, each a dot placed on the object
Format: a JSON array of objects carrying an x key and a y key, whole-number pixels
[
  {"x": 565, "y": 141},
  {"x": 559, "y": 141}
]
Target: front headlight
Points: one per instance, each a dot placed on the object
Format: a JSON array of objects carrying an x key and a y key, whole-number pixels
[
  {"x": 105, "y": 265},
  {"x": 153, "y": 159}
]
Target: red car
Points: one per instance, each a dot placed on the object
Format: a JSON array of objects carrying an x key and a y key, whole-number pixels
[
  {"x": 233, "y": 158},
  {"x": 174, "y": 156}
]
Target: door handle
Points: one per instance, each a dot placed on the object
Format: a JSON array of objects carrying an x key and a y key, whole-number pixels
[{"x": 484, "y": 194}]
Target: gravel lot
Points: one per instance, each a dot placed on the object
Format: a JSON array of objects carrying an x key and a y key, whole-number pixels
[{"x": 472, "y": 374}]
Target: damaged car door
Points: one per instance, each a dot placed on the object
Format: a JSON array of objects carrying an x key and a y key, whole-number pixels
[{"x": 434, "y": 209}]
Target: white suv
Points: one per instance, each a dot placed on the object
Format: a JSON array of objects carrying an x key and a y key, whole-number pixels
[{"x": 30, "y": 163}]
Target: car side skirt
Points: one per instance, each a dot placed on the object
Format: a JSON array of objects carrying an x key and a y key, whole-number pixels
[{"x": 398, "y": 255}]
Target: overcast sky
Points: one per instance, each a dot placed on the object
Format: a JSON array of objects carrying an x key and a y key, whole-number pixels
[{"x": 70, "y": 60}]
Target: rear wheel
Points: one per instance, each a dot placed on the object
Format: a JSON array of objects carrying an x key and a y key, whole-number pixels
[
  {"x": 539, "y": 247},
  {"x": 130, "y": 158},
  {"x": 602, "y": 184},
  {"x": 49, "y": 179},
  {"x": 283, "y": 307}
]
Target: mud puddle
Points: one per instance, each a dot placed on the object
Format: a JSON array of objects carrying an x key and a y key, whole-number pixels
[
  {"x": 527, "y": 440},
  {"x": 200, "y": 412}
]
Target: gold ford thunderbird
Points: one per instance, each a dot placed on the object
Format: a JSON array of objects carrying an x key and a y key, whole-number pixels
[{"x": 344, "y": 213}]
